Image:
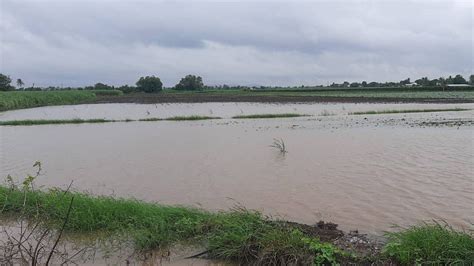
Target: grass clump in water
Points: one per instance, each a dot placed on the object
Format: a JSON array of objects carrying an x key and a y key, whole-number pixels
[
  {"x": 192, "y": 117},
  {"x": 433, "y": 244},
  {"x": 408, "y": 111},
  {"x": 285, "y": 115}
]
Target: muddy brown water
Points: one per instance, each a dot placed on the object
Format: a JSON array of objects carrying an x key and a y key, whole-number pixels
[{"x": 362, "y": 172}]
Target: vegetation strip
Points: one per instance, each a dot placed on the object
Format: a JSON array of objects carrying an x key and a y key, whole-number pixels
[
  {"x": 238, "y": 235},
  {"x": 54, "y": 122},
  {"x": 409, "y": 111},
  {"x": 254, "y": 116},
  {"x": 84, "y": 121},
  {"x": 28, "y": 99}
]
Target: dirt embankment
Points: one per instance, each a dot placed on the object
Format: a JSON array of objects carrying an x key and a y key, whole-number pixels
[{"x": 208, "y": 97}]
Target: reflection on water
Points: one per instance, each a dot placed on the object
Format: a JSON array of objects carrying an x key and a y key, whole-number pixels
[{"x": 365, "y": 177}]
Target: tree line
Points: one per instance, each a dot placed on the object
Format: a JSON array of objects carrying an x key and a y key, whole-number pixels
[
  {"x": 149, "y": 84},
  {"x": 153, "y": 84},
  {"x": 424, "y": 81}
]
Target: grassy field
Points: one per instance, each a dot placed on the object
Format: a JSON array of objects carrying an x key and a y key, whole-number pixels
[
  {"x": 427, "y": 93},
  {"x": 12, "y": 100},
  {"x": 28, "y": 99},
  {"x": 237, "y": 235},
  {"x": 409, "y": 111}
]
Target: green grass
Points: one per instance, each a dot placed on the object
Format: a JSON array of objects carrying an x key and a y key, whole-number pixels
[
  {"x": 27, "y": 99},
  {"x": 239, "y": 235},
  {"x": 107, "y": 92},
  {"x": 402, "y": 93},
  {"x": 54, "y": 122},
  {"x": 431, "y": 244},
  {"x": 285, "y": 115},
  {"x": 192, "y": 117},
  {"x": 85, "y": 121},
  {"x": 409, "y": 111}
]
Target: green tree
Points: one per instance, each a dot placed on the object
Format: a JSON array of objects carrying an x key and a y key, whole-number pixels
[
  {"x": 190, "y": 82},
  {"x": 405, "y": 82},
  {"x": 355, "y": 84},
  {"x": 102, "y": 86},
  {"x": 149, "y": 84},
  {"x": 5, "y": 83},
  {"x": 458, "y": 79},
  {"x": 471, "y": 79},
  {"x": 19, "y": 83}
]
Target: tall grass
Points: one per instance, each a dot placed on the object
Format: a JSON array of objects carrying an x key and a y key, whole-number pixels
[
  {"x": 27, "y": 99},
  {"x": 240, "y": 235},
  {"x": 431, "y": 243}
]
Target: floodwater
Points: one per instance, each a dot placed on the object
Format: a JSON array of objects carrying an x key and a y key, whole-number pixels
[{"x": 363, "y": 172}]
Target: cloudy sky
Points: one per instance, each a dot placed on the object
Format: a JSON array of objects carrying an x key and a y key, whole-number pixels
[{"x": 75, "y": 43}]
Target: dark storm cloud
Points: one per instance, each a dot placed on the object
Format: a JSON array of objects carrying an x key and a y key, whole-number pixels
[{"x": 263, "y": 42}]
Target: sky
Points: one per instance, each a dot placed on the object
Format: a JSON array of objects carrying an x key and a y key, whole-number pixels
[{"x": 277, "y": 43}]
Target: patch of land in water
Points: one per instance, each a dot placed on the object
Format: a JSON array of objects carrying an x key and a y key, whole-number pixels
[
  {"x": 409, "y": 111},
  {"x": 95, "y": 121},
  {"x": 293, "y": 97}
]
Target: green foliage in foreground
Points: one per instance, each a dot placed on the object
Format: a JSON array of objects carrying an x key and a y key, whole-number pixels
[
  {"x": 27, "y": 99},
  {"x": 433, "y": 244},
  {"x": 409, "y": 111},
  {"x": 267, "y": 116},
  {"x": 238, "y": 235}
]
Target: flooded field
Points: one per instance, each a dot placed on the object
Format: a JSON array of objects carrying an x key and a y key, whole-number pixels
[{"x": 363, "y": 172}]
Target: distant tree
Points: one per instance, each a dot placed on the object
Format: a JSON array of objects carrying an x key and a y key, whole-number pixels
[
  {"x": 149, "y": 84},
  {"x": 449, "y": 80},
  {"x": 102, "y": 86},
  {"x": 127, "y": 89},
  {"x": 442, "y": 81},
  {"x": 373, "y": 84},
  {"x": 423, "y": 81},
  {"x": 5, "y": 83},
  {"x": 364, "y": 83},
  {"x": 355, "y": 85},
  {"x": 345, "y": 84},
  {"x": 19, "y": 83},
  {"x": 405, "y": 82},
  {"x": 190, "y": 82},
  {"x": 471, "y": 79},
  {"x": 458, "y": 79}
]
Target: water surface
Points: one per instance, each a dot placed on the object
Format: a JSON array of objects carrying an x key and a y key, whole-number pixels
[{"x": 364, "y": 172}]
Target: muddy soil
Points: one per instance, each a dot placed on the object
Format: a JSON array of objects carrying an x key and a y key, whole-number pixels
[{"x": 207, "y": 97}]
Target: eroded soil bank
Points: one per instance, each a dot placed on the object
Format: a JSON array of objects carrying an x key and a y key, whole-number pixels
[{"x": 209, "y": 97}]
